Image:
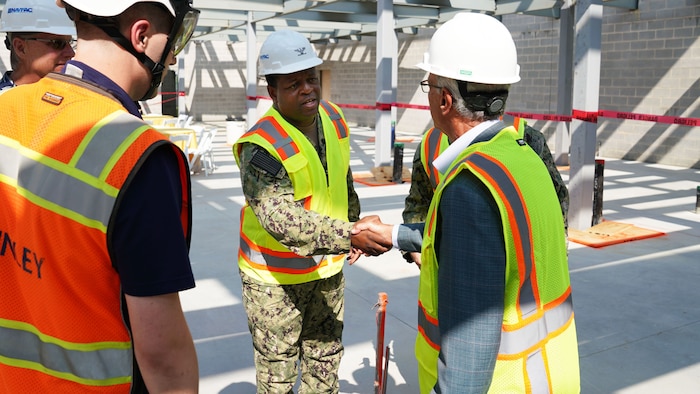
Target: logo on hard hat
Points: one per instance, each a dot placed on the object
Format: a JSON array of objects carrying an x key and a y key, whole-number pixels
[
  {"x": 301, "y": 51},
  {"x": 264, "y": 56},
  {"x": 21, "y": 10}
]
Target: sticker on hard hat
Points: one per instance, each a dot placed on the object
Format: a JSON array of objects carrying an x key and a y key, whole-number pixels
[
  {"x": 465, "y": 72},
  {"x": 20, "y": 10},
  {"x": 301, "y": 51}
]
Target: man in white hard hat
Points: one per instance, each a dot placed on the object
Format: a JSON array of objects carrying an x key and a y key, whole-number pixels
[
  {"x": 295, "y": 227},
  {"x": 97, "y": 208},
  {"x": 495, "y": 310},
  {"x": 39, "y": 36}
]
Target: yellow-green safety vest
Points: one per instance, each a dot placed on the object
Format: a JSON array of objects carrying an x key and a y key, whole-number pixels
[
  {"x": 434, "y": 142},
  {"x": 538, "y": 351},
  {"x": 260, "y": 255}
]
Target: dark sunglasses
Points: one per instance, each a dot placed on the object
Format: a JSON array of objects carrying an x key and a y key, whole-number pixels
[
  {"x": 183, "y": 29},
  {"x": 56, "y": 44}
]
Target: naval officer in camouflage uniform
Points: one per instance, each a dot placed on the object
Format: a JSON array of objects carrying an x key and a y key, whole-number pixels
[
  {"x": 296, "y": 225},
  {"x": 422, "y": 185}
]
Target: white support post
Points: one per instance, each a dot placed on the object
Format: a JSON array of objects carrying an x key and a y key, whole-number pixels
[
  {"x": 181, "y": 99},
  {"x": 387, "y": 50},
  {"x": 589, "y": 17},
  {"x": 562, "y": 138},
  {"x": 251, "y": 72}
]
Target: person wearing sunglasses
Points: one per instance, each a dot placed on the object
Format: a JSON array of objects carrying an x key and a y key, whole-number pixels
[
  {"x": 97, "y": 207},
  {"x": 39, "y": 35}
]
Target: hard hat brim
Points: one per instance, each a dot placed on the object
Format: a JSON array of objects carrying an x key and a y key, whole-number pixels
[
  {"x": 490, "y": 80},
  {"x": 111, "y": 8},
  {"x": 292, "y": 68}
]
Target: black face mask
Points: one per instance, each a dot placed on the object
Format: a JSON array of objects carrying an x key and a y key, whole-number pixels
[{"x": 185, "y": 22}]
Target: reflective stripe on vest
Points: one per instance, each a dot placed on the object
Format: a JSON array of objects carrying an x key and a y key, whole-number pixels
[
  {"x": 24, "y": 346},
  {"x": 341, "y": 128},
  {"x": 275, "y": 260},
  {"x": 43, "y": 181},
  {"x": 271, "y": 130},
  {"x": 519, "y": 124},
  {"x": 428, "y": 327},
  {"x": 433, "y": 146},
  {"x": 520, "y": 226},
  {"x": 518, "y": 342}
]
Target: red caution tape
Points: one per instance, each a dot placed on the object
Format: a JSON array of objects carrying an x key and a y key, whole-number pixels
[
  {"x": 384, "y": 106},
  {"x": 180, "y": 93},
  {"x": 410, "y": 106},
  {"x": 357, "y": 106},
  {"x": 651, "y": 118},
  {"x": 556, "y": 118},
  {"x": 593, "y": 117},
  {"x": 586, "y": 116}
]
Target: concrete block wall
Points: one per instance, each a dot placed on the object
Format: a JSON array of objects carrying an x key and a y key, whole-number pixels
[
  {"x": 650, "y": 64},
  {"x": 352, "y": 77}
]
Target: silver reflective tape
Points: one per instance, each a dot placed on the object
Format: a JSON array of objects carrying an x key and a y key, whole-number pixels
[
  {"x": 279, "y": 141},
  {"x": 103, "y": 145},
  {"x": 336, "y": 119},
  {"x": 100, "y": 364},
  {"x": 527, "y": 301},
  {"x": 64, "y": 190},
  {"x": 9, "y": 164},
  {"x": 518, "y": 341},
  {"x": 430, "y": 330},
  {"x": 299, "y": 263},
  {"x": 537, "y": 373}
]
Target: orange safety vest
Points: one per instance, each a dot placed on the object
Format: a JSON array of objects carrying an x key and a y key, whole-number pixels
[
  {"x": 62, "y": 167},
  {"x": 260, "y": 255}
]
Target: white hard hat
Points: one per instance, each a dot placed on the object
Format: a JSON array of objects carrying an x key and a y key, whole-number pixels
[
  {"x": 108, "y": 8},
  {"x": 286, "y": 52},
  {"x": 35, "y": 16},
  {"x": 474, "y": 48}
]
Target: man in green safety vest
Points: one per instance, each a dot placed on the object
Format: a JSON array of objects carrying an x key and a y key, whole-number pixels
[{"x": 495, "y": 311}]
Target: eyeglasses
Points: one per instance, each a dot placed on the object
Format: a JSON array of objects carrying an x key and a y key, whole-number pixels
[
  {"x": 425, "y": 86},
  {"x": 54, "y": 43}
]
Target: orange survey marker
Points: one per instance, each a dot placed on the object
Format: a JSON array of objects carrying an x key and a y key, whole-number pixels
[{"x": 382, "y": 353}]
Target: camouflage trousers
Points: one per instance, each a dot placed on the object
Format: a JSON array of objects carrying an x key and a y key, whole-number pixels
[{"x": 296, "y": 327}]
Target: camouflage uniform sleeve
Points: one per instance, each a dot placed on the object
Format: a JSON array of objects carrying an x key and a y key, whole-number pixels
[
  {"x": 271, "y": 197},
  {"x": 420, "y": 194},
  {"x": 353, "y": 199},
  {"x": 538, "y": 143}
]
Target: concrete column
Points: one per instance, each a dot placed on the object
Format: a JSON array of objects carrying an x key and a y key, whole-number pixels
[
  {"x": 589, "y": 17},
  {"x": 251, "y": 71},
  {"x": 181, "y": 99},
  {"x": 387, "y": 52},
  {"x": 562, "y": 138}
]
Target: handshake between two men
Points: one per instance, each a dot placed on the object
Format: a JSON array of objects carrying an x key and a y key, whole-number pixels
[{"x": 370, "y": 237}]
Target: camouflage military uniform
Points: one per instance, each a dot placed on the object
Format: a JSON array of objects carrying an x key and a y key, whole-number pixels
[
  {"x": 421, "y": 192},
  {"x": 304, "y": 322}
]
